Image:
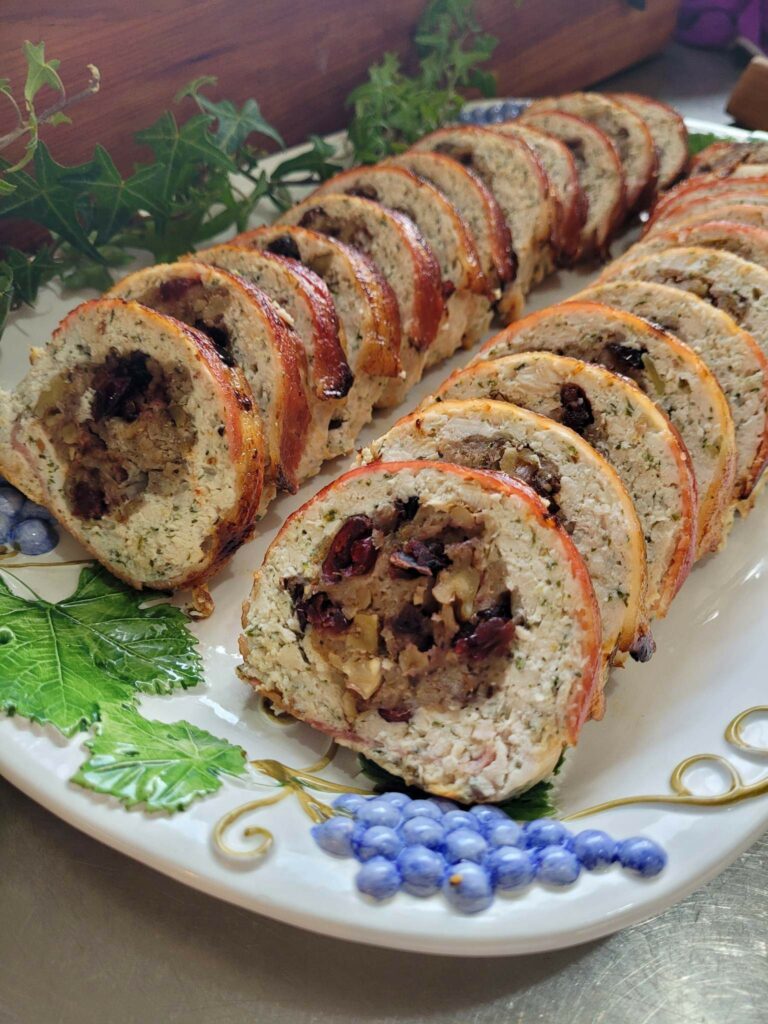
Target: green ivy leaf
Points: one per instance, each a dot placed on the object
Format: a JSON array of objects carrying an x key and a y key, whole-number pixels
[
  {"x": 181, "y": 153},
  {"x": 314, "y": 161},
  {"x": 61, "y": 663},
  {"x": 29, "y": 272},
  {"x": 111, "y": 199},
  {"x": 162, "y": 766},
  {"x": 40, "y": 71},
  {"x": 234, "y": 126},
  {"x": 6, "y": 293},
  {"x": 49, "y": 199}
]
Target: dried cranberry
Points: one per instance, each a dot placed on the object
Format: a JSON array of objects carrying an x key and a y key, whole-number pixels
[
  {"x": 623, "y": 357},
  {"x": 577, "y": 409},
  {"x": 352, "y": 551},
  {"x": 323, "y": 613},
  {"x": 418, "y": 558},
  {"x": 176, "y": 288},
  {"x": 117, "y": 385},
  {"x": 284, "y": 245},
  {"x": 488, "y": 638},
  {"x": 396, "y": 714},
  {"x": 88, "y": 500},
  {"x": 448, "y": 288}
]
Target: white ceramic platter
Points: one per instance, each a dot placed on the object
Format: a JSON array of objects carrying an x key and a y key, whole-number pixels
[{"x": 711, "y": 664}]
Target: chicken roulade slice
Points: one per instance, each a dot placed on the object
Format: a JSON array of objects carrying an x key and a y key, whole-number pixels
[
  {"x": 729, "y": 283},
  {"x": 399, "y": 250},
  {"x": 731, "y": 353},
  {"x": 248, "y": 331},
  {"x": 513, "y": 173},
  {"x": 476, "y": 204},
  {"x": 365, "y": 305},
  {"x": 433, "y": 618},
  {"x": 140, "y": 441},
  {"x": 668, "y": 131},
  {"x": 601, "y": 175},
  {"x": 467, "y": 311},
  {"x": 668, "y": 371},
  {"x": 307, "y": 301},
  {"x": 707, "y": 190},
  {"x": 745, "y": 240},
  {"x": 626, "y": 428},
  {"x": 628, "y": 133},
  {"x": 731, "y": 159},
  {"x": 739, "y": 210},
  {"x": 563, "y": 176},
  {"x": 581, "y": 490}
]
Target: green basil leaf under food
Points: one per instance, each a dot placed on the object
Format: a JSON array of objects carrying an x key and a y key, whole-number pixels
[{"x": 536, "y": 803}]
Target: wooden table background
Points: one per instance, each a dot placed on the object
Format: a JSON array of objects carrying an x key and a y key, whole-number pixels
[{"x": 298, "y": 58}]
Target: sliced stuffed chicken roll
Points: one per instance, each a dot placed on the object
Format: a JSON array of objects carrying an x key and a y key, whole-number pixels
[
  {"x": 745, "y": 240},
  {"x": 306, "y": 299},
  {"x": 736, "y": 286},
  {"x": 467, "y": 311},
  {"x": 435, "y": 619},
  {"x": 738, "y": 210},
  {"x": 139, "y": 439},
  {"x": 366, "y": 307},
  {"x": 624, "y": 425},
  {"x": 512, "y": 172},
  {"x": 628, "y": 133},
  {"x": 731, "y": 353},
  {"x": 726, "y": 159},
  {"x": 581, "y": 490},
  {"x": 405, "y": 259},
  {"x": 601, "y": 176},
  {"x": 669, "y": 372},
  {"x": 248, "y": 331}
]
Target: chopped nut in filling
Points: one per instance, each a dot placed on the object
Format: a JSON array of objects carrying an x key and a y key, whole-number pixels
[
  {"x": 407, "y": 604},
  {"x": 121, "y": 428}
]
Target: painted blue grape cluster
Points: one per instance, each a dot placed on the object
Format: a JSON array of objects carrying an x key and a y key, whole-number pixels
[
  {"x": 492, "y": 113},
  {"x": 25, "y": 525},
  {"x": 426, "y": 846}
]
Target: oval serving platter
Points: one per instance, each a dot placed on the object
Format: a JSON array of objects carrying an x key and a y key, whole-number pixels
[{"x": 681, "y": 756}]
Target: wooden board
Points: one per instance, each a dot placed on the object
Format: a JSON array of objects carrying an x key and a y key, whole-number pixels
[{"x": 300, "y": 59}]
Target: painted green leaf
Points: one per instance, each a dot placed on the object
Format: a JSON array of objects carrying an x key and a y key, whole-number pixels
[
  {"x": 61, "y": 663},
  {"x": 160, "y": 765}
]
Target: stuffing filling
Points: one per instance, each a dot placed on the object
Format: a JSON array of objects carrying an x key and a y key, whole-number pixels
[
  {"x": 352, "y": 231},
  {"x": 522, "y": 463},
  {"x": 720, "y": 296},
  {"x": 411, "y": 610},
  {"x": 202, "y": 306},
  {"x": 121, "y": 429}
]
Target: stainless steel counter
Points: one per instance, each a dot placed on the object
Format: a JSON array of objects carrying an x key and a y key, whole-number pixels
[{"x": 87, "y": 935}]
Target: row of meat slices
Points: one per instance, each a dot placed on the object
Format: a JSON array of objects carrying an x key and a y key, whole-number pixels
[
  {"x": 618, "y": 432},
  {"x": 316, "y": 321}
]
